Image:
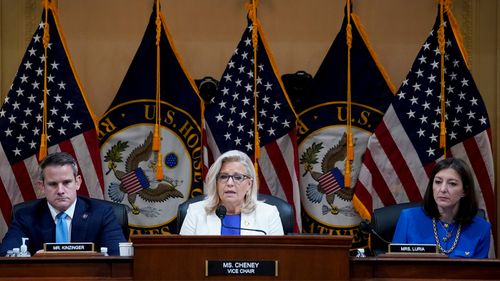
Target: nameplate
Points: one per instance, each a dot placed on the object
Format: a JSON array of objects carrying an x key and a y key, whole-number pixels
[
  {"x": 241, "y": 268},
  {"x": 413, "y": 248},
  {"x": 68, "y": 247}
]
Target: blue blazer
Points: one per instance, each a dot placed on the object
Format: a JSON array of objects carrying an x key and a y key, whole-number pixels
[
  {"x": 415, "y": 227},
  {"x": 93, "y": 221}
]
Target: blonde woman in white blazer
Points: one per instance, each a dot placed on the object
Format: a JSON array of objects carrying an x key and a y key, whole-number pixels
[{"x": 231, "y": 183}]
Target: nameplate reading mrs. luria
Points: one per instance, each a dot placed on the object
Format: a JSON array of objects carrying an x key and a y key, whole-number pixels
[
  {"x": 413, "y": 248},
  {"x": 241, "y": 268},
  {"x": 68, "y": 247}
]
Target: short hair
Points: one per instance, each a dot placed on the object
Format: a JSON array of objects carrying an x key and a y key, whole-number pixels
[
  {"x": 211, "y": 181},
  {"x": 58, "y": 159},
  {"x": 468, "y": 207}
]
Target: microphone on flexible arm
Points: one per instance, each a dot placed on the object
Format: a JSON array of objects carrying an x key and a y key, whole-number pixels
[
  {"x": 221, "y": 213},
  {"x": 367, "y": 227}
]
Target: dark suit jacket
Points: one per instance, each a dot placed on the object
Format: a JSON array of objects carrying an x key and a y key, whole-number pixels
[{"x": 93, "y": 221}]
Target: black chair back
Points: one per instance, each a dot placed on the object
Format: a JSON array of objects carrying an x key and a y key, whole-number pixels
[
  {"x": 384, "y": 222},
  {"x": 285, "y": 210},
  {"x": 119, "y": 210}
]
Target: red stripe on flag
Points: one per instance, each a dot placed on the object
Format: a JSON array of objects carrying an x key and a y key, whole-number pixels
[
  {"x": 279, "y": 165},
  {"x": 364, "y": 196},
  {"x": 482, "y": 176},
  {"x": 329, "y": 183},
  {"x": 5, "y": 204},
  {"x": 378, "y": 183},
  {"x": 67, "y": 146},
  {"x": 131, "y": 183},
  {"x": 209, "y": 154},
  {"x": 93, "y": 147},
  {"x": 397, "y": 160},
  {"x": 263, "y": 187},
  {"x": 428, "y": 168},
  {"x": 24, "y": 181}
]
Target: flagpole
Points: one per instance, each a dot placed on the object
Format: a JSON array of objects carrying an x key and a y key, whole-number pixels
[
  {"x": 156, "y": 133},
  {"x": 45, "y": 40},
  {"x": 350, "y": 145},
  {"x": 255, "y": 42},
  {"x": 441, "y": 42}
]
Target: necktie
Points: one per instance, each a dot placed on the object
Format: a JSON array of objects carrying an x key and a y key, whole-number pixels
[{"x": 61, "y": 228}]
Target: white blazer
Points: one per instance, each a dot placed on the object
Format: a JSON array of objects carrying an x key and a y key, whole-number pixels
[{"x": 265, "y": 217}]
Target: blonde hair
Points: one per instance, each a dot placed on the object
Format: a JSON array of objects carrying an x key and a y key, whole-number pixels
[{"x": 212, "y": 194}]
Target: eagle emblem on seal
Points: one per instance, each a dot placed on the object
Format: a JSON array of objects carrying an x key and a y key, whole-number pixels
[
  {"x": 330, "y": 180},
  {"x": 134, "y": 181}
]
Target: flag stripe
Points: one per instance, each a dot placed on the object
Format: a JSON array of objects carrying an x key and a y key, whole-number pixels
[
  {"x": 267, "y": 164},
  {"x": 210, "y": 149},
  {"x": 381, "y": 187},
  {"x": 33, "y": 168},
  {"x": 23, "y": 181},
  {"x": 281, "y": 178},
  {"x": 479, "y": 167},
  {"x": 91, "y": 151},
  {"x": 397, "y": 160},
  {"x": 263, "y": 187},
  {"x": 9, "y": 181},
  {"x": 83, "y": 154},
  {"x": 404, "y": 144},
  {"x": 5, "y": 203}
]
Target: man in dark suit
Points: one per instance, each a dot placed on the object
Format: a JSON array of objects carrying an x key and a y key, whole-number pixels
[{"x": 86, "y": 220}]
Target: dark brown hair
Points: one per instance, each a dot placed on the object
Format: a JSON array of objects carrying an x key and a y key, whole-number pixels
[
  {"x": 467, "y": 208},
  {"x": 58, "y": 159}
]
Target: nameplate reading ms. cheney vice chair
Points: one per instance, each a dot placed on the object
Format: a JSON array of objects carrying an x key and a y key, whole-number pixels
[
  {"x": 285, "y": 210},
  {"x": 119, "y": 209}
]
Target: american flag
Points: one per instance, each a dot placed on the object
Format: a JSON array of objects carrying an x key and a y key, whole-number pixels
[
  {"x": 70, "y": 126},
  {"x": 405, "y": 146},
  {"x": 230, "y": 119},
  {"x": 332, "y": 181},
  {"x": 135, "y": 181}
]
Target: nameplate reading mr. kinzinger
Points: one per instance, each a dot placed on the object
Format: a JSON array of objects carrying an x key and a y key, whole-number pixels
[{"x": 68, "y": 247}]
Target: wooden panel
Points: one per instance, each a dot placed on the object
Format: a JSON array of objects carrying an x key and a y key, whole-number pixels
[
  {"x": 363, "y": 269},
  {"x": 66, "y": 268},
  {"x": 183, "y": 257}
]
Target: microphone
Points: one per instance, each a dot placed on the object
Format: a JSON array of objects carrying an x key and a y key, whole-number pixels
[
  {"x": 367, "y": 227},
  {"x": 221, "y": 213}
]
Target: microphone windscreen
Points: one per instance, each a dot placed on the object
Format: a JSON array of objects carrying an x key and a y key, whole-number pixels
[
  {"x": 221, "y": 211},
  {"x": 365, "y": 226}
]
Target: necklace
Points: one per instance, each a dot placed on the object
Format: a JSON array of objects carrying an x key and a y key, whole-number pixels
[
  {"x": 436, "y": 237},
  {"x": 449, "y": 230}
]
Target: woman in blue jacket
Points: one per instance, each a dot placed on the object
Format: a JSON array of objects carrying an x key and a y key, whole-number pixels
[{"x": 448, "y": 216}]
